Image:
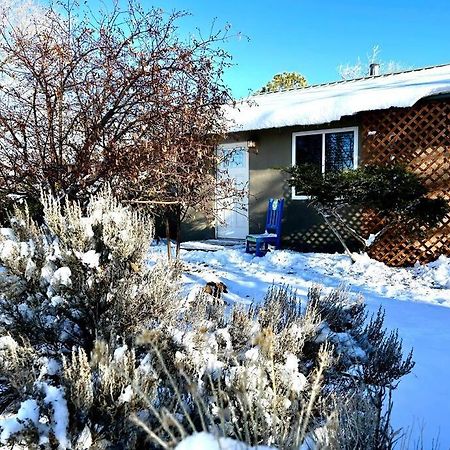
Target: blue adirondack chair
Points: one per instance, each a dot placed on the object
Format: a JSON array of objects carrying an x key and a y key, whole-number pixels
[{"x": 259, "y": 243}]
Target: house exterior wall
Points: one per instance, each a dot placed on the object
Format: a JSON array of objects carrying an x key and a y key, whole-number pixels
[
  {"x": 303, "y": 228},
  {"x": 417, "y": 137},
  {"x": 196, "y": 227}
]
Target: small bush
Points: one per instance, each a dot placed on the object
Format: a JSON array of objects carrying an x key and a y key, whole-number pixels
[{"x": 79, "y": 278}]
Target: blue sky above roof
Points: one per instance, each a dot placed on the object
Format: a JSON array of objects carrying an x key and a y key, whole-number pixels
[{"x": 315, "y": 37}]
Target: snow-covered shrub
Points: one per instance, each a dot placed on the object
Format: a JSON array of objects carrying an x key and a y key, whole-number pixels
[
  {"x": 78, "y": 278},
  {"x": 67, "y": 285},
  {"x": 19, "y": 368},
  {"x": 103, "y": 389},
  {"x": 98, "y": 351},
  {"x": 279, "y": 373}
]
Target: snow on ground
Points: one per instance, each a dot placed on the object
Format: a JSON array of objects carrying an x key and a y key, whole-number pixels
[{"x": 416, "y": 300}]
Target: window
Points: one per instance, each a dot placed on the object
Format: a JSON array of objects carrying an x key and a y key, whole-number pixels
[
  {"x": 232, "y": 157},
  {"x": 327, "y": 149},
  {"x": 237, "y": 159}
]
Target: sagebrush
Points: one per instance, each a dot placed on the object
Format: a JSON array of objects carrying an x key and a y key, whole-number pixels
[{"x": 100, "y": 350}]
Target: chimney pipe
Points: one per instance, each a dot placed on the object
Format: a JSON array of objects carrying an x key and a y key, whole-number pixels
[{"x": 374, "y": 69}]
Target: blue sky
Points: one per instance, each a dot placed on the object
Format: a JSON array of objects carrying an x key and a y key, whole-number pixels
[{"x": 314, "y": 37}]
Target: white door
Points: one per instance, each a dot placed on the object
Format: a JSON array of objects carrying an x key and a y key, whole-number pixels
[{"x": 233, "y": 211}]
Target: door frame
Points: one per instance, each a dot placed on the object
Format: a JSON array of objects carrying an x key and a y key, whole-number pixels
[{"x": 244, "y": 145}]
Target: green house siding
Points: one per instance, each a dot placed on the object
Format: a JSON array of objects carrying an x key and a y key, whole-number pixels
[{"x": 303, "y": 229}]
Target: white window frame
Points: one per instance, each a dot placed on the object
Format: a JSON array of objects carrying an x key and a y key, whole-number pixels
[{"x": 323, "y": 132}]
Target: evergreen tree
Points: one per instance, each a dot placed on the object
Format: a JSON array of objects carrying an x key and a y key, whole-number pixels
[
  {"x": 284, "y": 81},
  {"x": 395, "y": 194}
]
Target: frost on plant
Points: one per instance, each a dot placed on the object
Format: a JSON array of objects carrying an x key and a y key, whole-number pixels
[{"x": 66, "y": 285}]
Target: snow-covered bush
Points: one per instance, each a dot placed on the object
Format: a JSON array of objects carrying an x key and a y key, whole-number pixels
[
  {"x": 68, "y": 285},
  {"x": 282, "y": 373},
  {"x": 78, "y": 278},
  {"x": 99, "y": 351}
]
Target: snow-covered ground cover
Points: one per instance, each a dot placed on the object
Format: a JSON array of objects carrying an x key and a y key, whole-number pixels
[{"x": 416, "y": 300}]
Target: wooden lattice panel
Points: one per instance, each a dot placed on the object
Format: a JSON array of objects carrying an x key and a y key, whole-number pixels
[
  {"x": 419, "y": 139},
  {"x": 316, "y": 236}
]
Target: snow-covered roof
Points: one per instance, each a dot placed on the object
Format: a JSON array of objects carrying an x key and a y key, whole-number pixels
[{"x": 327, "y": 102}]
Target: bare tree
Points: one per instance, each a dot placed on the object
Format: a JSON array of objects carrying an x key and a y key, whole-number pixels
[
  {"x": 119, "y": 97},
  {"x": 361, "y": 69}
]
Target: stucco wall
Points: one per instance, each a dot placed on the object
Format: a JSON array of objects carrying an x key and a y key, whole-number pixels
[
  {"x": 303, "y": 229},
  {"x": 196, "y": 227}
]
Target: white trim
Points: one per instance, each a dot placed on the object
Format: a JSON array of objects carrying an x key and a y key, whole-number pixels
[
  {"x": 323, "y": 153},
  {"x": 323, "y": 132}
]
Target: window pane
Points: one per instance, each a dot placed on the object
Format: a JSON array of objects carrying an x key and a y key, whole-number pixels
[
  {"x": 237, "y": 159},
  {"x": 232, "y": 158},
  {"x": 339, "y": 149},
  {"x": 308, "y": 149}
]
